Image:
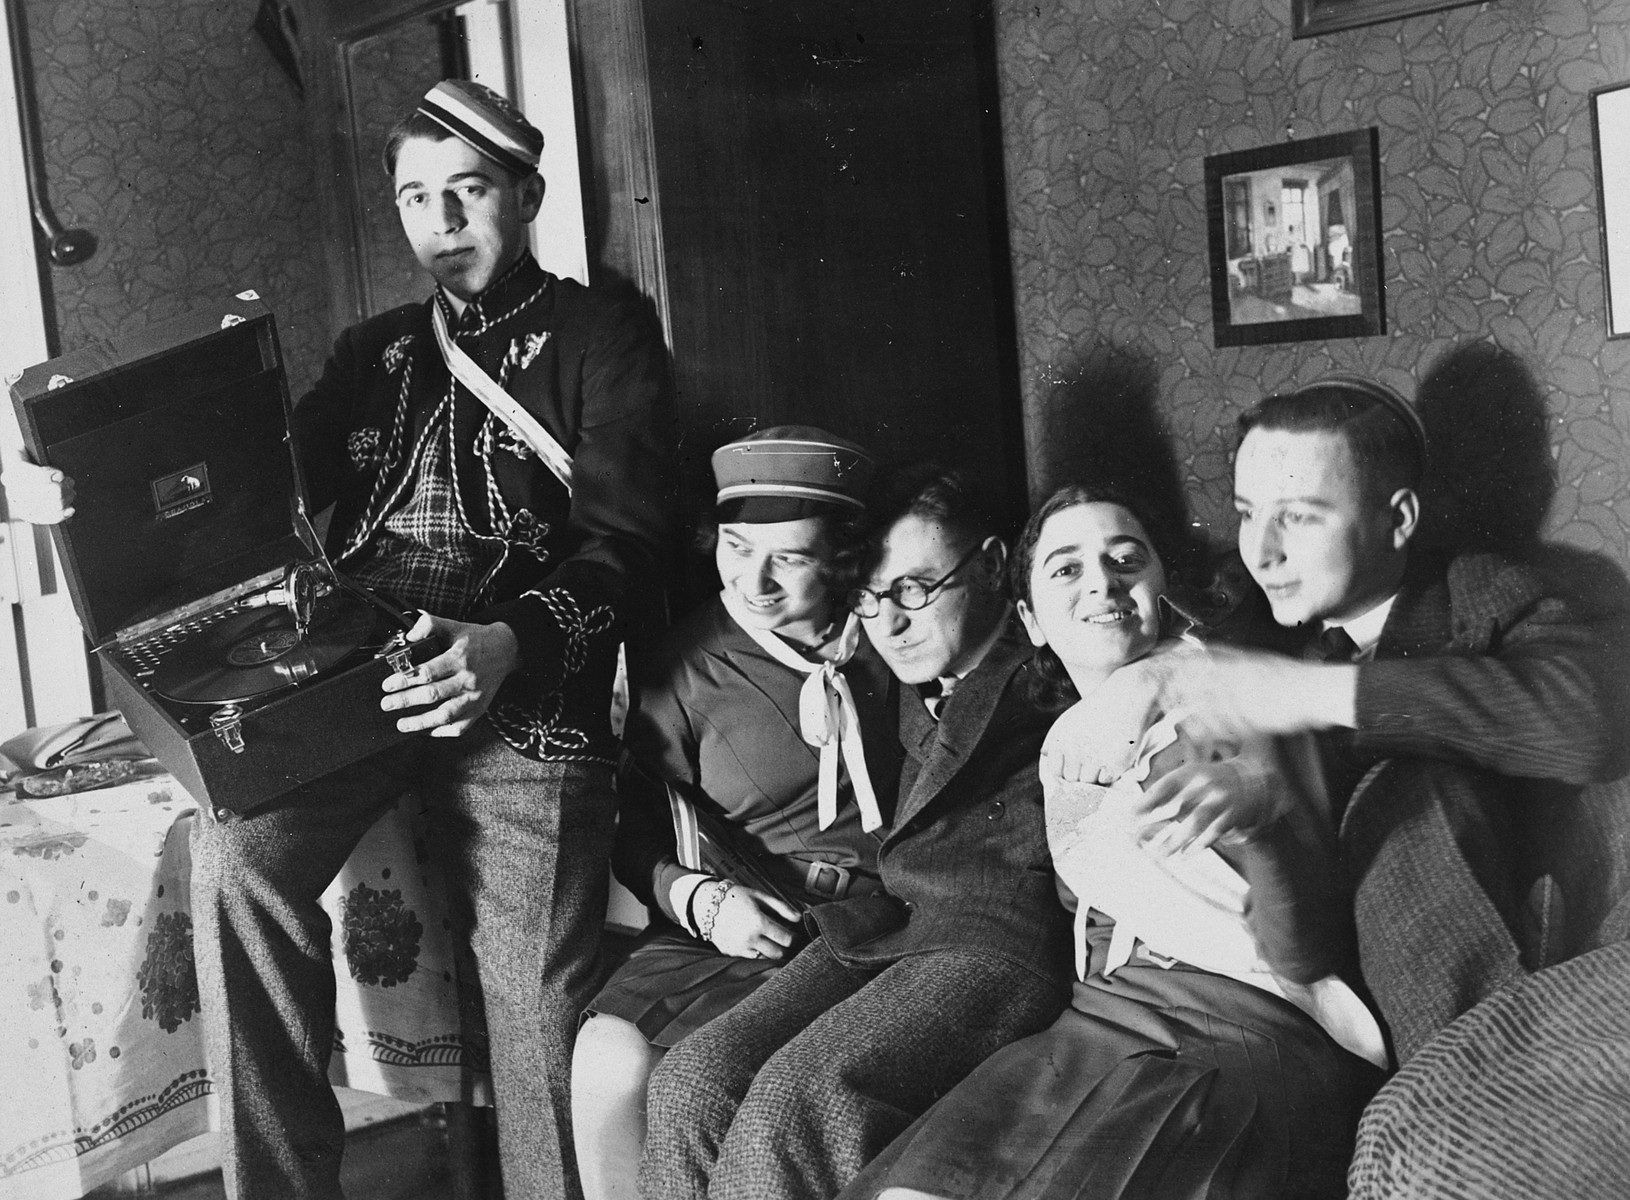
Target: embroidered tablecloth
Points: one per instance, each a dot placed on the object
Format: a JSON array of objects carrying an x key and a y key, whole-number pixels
[{"x": 101, "y": 1055}]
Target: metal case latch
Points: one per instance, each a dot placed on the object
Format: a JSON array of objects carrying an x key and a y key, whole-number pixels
[
  {"x": 398, "y": 654},
  {"x": 227, "y": 722}
]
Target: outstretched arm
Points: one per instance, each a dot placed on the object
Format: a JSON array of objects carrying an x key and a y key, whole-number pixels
[{"x": 1525, "y": 692}]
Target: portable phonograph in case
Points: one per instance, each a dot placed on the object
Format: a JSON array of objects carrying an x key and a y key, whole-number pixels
[{"x": 235, "y": 652}]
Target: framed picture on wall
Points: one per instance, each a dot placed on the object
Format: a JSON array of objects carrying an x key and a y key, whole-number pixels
[
  {"x": 1610, "y": 129},
  {"x": 1309, "y": 18},
  {"x": 1295, "y": 231}
]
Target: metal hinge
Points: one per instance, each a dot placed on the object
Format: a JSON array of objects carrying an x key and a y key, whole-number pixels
[{"x": 227, "y": 722}]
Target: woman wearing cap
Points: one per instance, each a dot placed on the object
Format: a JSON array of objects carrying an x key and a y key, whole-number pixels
[{"x": 754, "y": 710}]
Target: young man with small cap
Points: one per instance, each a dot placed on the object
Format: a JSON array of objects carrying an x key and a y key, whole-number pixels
[
  {"x": 1441, "y": 687},
  {"x": 790, "y": 1093},
  {"x": 497, "y": 458}
]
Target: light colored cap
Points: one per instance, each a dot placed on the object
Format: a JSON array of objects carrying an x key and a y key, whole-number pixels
[
  {"x": 790, "y": 471},
  {"x": 489, "y": 122}
]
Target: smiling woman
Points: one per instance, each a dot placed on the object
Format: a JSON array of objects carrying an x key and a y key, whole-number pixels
[
  {"x": 746, "y": 711},
  {"x": 1210, "y": 1047}
]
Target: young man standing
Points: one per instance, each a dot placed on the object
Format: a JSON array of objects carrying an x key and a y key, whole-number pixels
[
  {"x": 526, "y": 541},
  {"x": 904, "y": 992},
  {"x": 1441, "y": 688}
]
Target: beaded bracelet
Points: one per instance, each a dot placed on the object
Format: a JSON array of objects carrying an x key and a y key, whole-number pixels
[{"x": 710, "y": 914}]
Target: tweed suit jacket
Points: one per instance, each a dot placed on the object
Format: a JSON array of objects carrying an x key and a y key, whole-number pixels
[
  {"x": 965, "y": 864},
  {"x": 1482, "y": 662}
]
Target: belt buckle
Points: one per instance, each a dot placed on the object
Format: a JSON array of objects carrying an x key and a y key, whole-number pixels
[
  {"x": 1163, "y": 961},
  {"x": 826, "y": 879}
]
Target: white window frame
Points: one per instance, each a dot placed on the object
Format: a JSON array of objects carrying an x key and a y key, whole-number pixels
[{"x": 44, "y": 675}]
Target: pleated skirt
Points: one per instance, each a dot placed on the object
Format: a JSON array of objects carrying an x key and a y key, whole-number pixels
[
  {"x": 672, "y": 983},
  {"x": 1144, "y": 1090}
]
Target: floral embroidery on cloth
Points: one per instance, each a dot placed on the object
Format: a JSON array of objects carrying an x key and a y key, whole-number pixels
[
  {"x": 381, "y": 936},
  {"x": 509, "y": 442},
  {"x": 577, "y": 625},
  {"x": 529, "y": 533},
  {"x": 169, "y": 984},
  {"x": 534, "y": 344},
  {"x": 538, "y": 730},
  {"x": 363, "y": 446},
  {"x": 396, "y": 352}
]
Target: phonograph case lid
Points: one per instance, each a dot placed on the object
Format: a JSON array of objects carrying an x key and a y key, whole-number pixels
[{"x": 177, "y": 440}]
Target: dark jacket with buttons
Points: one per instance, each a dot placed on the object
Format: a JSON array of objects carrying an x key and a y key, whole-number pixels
[
  {"x": 574, "y": 573},
  {"x": 965, "y": 864}
]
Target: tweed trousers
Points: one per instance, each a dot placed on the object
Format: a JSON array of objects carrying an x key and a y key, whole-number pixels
[
  {"x": 789, "y": 1094},
  {"x": 525, "y": 845},
  {"x": 1428, "y": 856}
]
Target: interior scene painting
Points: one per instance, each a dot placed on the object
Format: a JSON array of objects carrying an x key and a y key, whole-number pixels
[
  {"x": 1289, "y": 254},
  {"x": 1294, "y": 240}
]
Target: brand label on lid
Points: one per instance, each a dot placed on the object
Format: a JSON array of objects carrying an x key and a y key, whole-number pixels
[{"x": 182, "y": 491}]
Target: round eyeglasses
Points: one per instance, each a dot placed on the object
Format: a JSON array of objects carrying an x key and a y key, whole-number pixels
[{"x": 909, "y": 594}]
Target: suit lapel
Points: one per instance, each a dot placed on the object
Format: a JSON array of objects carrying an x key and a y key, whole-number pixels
[
  {"x": 943, "y": 748},
  {"x": 1419, "y": 622}
]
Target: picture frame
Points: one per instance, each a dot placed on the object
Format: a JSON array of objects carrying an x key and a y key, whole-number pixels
[
  {"x": 1310, "y": 18},
  {"x": 1610, "y": 133},
  {"x": 1295, "y": 240}
]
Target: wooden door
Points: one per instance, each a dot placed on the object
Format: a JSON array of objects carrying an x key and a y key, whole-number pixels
[{"x": 812, "y": 190}]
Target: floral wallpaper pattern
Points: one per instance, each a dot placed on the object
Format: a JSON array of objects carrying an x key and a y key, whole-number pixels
[
  {"x": 172, "y": 136},
  {"x": 1489, "y": 218}
]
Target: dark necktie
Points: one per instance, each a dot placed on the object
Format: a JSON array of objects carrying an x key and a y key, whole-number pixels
[
  {"x": 935, "y": 693},
  {"x": 1334, "y": 645},
  {"x": 1342, "y": 770}
]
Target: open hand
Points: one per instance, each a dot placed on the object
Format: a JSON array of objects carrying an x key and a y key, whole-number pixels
[
  {"x": 753, "y": 924},
  {"x": 1192, "y": 807},
  {"x": 461, "y": 681},
  {"x": 1096, "y": 740},
  {"x": 36, "y": 494}
]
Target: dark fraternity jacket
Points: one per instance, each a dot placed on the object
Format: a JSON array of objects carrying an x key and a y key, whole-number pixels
[
  {"x": 573, "y": 572},
  {"x": 965, "y": 864}
]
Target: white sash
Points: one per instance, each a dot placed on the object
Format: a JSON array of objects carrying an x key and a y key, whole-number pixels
[
  {"x": 485, "y": 389},
  {"x": 826, "y": 715}
]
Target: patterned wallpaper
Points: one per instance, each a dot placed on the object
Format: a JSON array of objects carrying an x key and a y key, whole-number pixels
[
  {"x": 171, "y": 134},
  {"x": 1492, "y": 253}
]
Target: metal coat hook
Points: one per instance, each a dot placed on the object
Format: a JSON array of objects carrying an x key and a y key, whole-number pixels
[{"x": 66, "y": 247}]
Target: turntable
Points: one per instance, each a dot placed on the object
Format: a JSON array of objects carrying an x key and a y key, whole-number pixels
[{"x": 246, "y": 664}]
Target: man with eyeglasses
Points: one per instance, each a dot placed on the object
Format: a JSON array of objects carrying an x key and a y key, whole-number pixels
[{"x": 904, "y": 992}]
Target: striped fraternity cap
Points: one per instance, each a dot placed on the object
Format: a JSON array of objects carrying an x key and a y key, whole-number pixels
[
  {"x": 789, "y": 472},
  {"x": 489, "y": 122}
]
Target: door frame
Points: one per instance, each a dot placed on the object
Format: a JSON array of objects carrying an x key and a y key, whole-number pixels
[{"x": 44, "y": 672}]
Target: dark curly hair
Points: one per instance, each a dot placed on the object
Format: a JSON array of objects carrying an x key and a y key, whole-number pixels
[{"x": 1050, "y": 683}]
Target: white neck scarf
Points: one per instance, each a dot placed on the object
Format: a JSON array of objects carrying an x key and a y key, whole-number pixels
[{"x": 826, "y": 715}]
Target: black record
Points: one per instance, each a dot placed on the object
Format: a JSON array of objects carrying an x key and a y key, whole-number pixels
[{"x": 251, "y": 653}]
